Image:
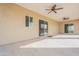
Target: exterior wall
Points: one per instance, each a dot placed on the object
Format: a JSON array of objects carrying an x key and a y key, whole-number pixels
[
  {"x": 12, "y": 24},
  {"x": 76, "y": 25}
]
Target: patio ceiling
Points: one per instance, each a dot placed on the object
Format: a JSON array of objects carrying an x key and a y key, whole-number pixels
[{"x": 70, "y": 10}]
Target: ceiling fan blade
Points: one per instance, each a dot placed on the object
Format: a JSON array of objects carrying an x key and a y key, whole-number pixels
[
  {"x": 54, "y": 11},
  {"x": 49, "y": 12},
  {"x": 58, "y": 8},
  {"x": 54, "y": 6},
  {"x": 47, "y": 9}
]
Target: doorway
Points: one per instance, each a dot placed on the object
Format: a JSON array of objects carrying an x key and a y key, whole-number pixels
[{"x": 43, "y": 28}]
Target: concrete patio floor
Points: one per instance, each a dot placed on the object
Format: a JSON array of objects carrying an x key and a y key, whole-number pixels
[
  {"x": 59, "y": 41},
  {"x": 60, "y": 45}
]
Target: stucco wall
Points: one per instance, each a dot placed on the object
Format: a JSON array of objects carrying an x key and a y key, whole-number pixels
[{"x": 12, "y": 24}]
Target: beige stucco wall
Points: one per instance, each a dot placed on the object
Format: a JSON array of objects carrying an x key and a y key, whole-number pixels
[
  {"x": 12, "y": 24},
  {"x": 76, "y": 26}
]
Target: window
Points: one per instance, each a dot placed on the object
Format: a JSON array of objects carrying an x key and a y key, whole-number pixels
[{"x": 28, "y": 21}]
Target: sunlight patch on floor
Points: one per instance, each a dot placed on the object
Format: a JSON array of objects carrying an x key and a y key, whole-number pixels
[
  {"x": 66, "y": 36},
  {"x": 56, "y": 43}
]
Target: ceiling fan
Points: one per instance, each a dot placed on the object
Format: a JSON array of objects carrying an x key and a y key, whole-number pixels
[
  {"x": 54, "y": 9},
  {"x": 65, "y": 18}
]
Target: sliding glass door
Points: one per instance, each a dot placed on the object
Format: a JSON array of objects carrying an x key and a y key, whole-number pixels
[
  {"x": 43, "y": 28},
  {"x": 69, "y": 28}
]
